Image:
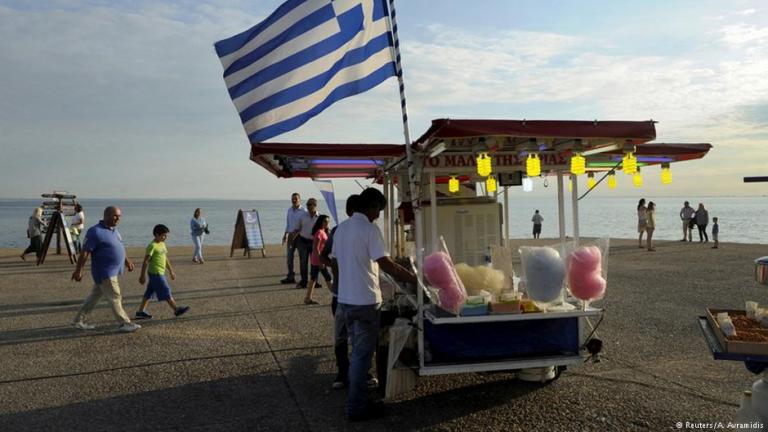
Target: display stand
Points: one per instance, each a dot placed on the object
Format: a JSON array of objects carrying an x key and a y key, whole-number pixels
[
  {"x": 62, "y": 202},
  {"x": 58, "y": 226},
  {"x": 247, "y": 235}
]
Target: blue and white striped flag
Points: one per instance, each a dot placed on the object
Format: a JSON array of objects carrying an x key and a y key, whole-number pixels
[{"x": 303, "y": 58}]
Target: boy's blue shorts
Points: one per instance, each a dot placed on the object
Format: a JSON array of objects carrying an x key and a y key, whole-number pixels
[{"x": 158, "y": 285}]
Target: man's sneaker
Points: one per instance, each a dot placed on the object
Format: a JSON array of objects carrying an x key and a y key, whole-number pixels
[
  {"x": 181, "y": 310},
  {"x": 339, "y": 383},
  {"x": 288, "y": 280},
  {"x": 83, "y": 326},
  {"x": 372, "y": 382},
  {"x": 143, "y": 315},
  {"x": 129, "y": 328}
]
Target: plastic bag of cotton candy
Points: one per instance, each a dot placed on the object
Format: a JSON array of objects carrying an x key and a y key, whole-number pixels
[
  {"x": 480, "y": 278},
  {"x": 543, "y": 274},
  {"x": 587, "y": 269},
  {"x": 441, "y": 274}
]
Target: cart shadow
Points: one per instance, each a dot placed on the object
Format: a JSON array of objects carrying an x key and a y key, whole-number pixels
[{"x": 430, "y": 409}]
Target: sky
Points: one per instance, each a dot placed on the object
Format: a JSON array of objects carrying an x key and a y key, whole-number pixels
[{"x": 125, "y": 99}]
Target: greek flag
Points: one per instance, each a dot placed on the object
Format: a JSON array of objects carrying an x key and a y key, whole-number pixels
[{"x": 304, "y": 57}]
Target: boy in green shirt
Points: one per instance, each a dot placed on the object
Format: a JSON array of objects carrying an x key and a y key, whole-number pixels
[{"x": 155, "y": 262}]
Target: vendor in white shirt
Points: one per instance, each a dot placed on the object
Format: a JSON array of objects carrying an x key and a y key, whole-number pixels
[
  {"x": 76, "y": 226},
  {"x": 359, "y": 249},
  {"x": 303, "y": 228}
]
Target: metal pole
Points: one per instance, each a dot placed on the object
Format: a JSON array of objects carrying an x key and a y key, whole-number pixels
[
  {"x": 506, "y": 216},
  {"x": 387, "y": 212},
  {"x": 575, "y": 208},
  {"x": 433, "y": 211},
  {"x": 561, "y": 206},
  {"x": 414, "y": 181}
]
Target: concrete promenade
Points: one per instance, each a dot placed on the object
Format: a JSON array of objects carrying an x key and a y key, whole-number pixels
[{"x": 251, "y": 356}]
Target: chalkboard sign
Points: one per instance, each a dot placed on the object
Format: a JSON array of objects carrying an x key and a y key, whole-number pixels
[
  {"x": 247, "y": 233},
  {"x": 58, "y": 226}
]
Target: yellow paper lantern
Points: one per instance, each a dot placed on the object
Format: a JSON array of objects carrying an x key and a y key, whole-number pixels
[
  {"x": 591, "y": 180},
  {"x": 483, "y": 164},
  {"x": 453, "y": 185},
  {"x": 578, "y": 164},
  {"x": 490, "y": 184},
  {"x": 611, "y": 181},
  {"x": 629, "y": 163},
  {"x": 637, "y": 179},
  {"x": 533, "y": 165},
  {"x": 666, "y": 174}
]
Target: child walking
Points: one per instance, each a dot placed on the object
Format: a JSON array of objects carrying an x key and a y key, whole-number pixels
[
  {"x": 155, "y": 262},
  {"x": 715, "y": 232},
  {"x": 319, "y": 237}
]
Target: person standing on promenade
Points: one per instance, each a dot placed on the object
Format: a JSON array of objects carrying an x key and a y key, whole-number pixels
[
  {"x": 537, "y": 220},
  {"x": 155, "y": 262},
  {"x": 198, "y": 228},
  {"x": 702, "y": 219},
  {"x": 290, "y": 240},
  {"x": 319, "y": 238},
  {"x": 715, "y": 232},
  {"x": 650, "y": 225},
  {"x": 360, "y": 251},
  {"x": 686, "y": 214},
  {"x": 303, "y": 230},
  {"x": 76, "y": 226},
  {"x": 641, "y": 221},
  {"x": 104, "y": 243},
  {"x": 35, "y": 227}
]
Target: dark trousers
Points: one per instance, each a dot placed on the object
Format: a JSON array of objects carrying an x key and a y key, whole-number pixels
[
  {"x": 340, "y": 342},
  {"x": 305, "y": 248},
  {"x": 703, "y": 233},
  {"x": 363, "y": 324},
  {"x": 290, "y": 252},
  {"x": 35, "y": 245}
]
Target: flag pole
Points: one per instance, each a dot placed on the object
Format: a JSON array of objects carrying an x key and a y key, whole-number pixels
[{"x": 413, "y": 173}]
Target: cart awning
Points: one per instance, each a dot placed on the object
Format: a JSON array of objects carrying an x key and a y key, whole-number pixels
[
  {"x": 319, "y": 160},
  {"x": 512, "y": 132}
]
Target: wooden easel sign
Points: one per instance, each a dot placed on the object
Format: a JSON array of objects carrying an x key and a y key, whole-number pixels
[
  {"x": 247, "y": 234},
  {"x": 58, "y": 226}
]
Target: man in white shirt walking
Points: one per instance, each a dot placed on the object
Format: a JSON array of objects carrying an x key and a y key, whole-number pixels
[
  {"x": 359, "y": 249},
  {"x": 289, "y": 238}
]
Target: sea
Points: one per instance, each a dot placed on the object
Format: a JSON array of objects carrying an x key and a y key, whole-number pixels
[{"x": 741, "y": 219}]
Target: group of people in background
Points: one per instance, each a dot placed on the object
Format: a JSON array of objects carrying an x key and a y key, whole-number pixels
[
  {"x": 355, "y": 251},
  {"x": 646, "y": 224}
]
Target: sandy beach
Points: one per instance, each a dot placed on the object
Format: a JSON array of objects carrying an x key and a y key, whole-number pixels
[{"x": 251, "y": 356}]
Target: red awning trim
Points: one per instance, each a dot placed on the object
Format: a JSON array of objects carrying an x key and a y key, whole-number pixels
[{"x": 637, "y": 131}]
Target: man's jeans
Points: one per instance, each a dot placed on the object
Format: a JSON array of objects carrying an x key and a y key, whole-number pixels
[
  {"x": 305, "y": 248},
  {"x": 290, "y": 253},
  {"x": 363, "y": 327}
]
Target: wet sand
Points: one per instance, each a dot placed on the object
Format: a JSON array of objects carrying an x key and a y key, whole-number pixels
[{"x": 251, "y": 356}]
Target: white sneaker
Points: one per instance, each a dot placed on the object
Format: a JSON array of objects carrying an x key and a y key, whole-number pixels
[
  {"x": 129, "y": 328},
  {"x": 83, "y": 326}
]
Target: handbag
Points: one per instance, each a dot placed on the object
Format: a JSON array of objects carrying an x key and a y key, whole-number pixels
[{"x": 205, "y": 230}]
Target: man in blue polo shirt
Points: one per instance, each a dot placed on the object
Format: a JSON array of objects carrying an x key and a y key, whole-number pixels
[{"x": 104, "y": 243}]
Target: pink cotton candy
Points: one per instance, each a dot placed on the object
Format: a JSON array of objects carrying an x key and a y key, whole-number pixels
[
  {"x": 439, "y": 271},
  {"x": 584, "y": 273}
]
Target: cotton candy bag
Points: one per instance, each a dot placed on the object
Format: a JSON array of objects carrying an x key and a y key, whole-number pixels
[
  {"x": 585, "y": 273},
  {"x": 440, "y": 273},
  {"x": 543, "y": 274}
]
